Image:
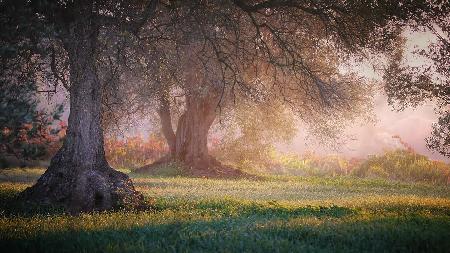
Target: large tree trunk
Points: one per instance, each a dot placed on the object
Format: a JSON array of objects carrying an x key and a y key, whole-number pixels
[
  {"x": 191, "y": 140},
  {"x": 192, "y": 132},
  {"x": 189, "y": 144},
  {"x": 79, "y": 176}
]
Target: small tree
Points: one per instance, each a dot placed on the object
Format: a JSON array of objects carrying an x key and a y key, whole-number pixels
[{"x": 249, "y": 132}]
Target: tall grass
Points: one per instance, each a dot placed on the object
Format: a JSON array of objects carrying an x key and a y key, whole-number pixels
[
  {"x": 404, "y": 165},
  {"x": 399, "y": 165}
]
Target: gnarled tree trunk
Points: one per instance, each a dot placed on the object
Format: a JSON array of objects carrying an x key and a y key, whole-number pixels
[
  {"x": 191, "y": 145},
  {"x": 191, "y": 139},
  {"x": 79, "y": 176}
]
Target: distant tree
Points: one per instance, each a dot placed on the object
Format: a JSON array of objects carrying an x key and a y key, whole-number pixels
[
  {"x": 290, "y": 51},
  {"x": 408, "y": 86}
]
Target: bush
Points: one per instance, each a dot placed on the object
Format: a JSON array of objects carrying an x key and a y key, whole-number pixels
[
  {"x": 311, "y": 164},
  {"x": 404, "y": 165},
  {"x": 401, "y": 165},
  {"x": 134, "y": 152}
]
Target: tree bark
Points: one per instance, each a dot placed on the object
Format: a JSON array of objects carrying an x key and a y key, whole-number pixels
[
  {"x": 166, "y": 125},
  {"x": 192, "y": 132},
  {"x": 79, "y": 177}
]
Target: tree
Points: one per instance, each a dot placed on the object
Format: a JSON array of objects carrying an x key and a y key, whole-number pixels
[
  {"x": 79, "y": 176},
  {"x": 289, "y": 51},
  {"x": 408, "y": 86}
]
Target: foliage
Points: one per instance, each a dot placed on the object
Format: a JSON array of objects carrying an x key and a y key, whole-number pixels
[
  {"x": 440, "y": 135},
  {"x": 399, "y": 165},
  {"x": 251, "y": 132},
  {"x": 404, "y": 165},
  {"x": 311, "y": 164},
  {"x": 134, "y": 152},
  {"x": 26, "y": 131},
  {"x": 284, "y": 214},
  {"x": 292, "y": 51}
]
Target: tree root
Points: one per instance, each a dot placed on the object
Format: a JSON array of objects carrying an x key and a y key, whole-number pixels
[
  {"x": 214, "y": 169},
  {"x": 84, "y": 189}
]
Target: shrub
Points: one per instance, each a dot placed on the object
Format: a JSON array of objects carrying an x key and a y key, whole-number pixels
[
  {"x": 310, "y": 164},
  {"x": 404, "y": 165},
  {"x": 134, "y": 152},
  {"x": 401, "y": 165}
]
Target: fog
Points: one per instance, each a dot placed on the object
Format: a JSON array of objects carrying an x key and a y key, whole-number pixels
[{"x": 411, "y": 125}]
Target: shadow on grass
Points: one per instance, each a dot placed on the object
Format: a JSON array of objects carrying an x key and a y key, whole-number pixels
[
  {"x": 11, "y": 206},
  {"x": 250, "y": 234},
  {"x": 231, "y": 207}
]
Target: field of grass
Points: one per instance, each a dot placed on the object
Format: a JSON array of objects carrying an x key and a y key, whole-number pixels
[{"x": 277, "y": 214}]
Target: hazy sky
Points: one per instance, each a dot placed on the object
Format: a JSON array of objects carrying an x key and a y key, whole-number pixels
[{"x": 412, "y": 125}]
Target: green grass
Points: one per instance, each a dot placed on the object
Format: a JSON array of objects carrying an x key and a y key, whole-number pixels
[{"x": 279, "y": 214}]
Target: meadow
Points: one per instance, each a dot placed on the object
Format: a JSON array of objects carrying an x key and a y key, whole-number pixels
[{"x": 272, "y": 214}]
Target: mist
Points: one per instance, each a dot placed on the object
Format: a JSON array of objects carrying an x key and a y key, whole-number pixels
[{"x": 412, "y": 125}]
